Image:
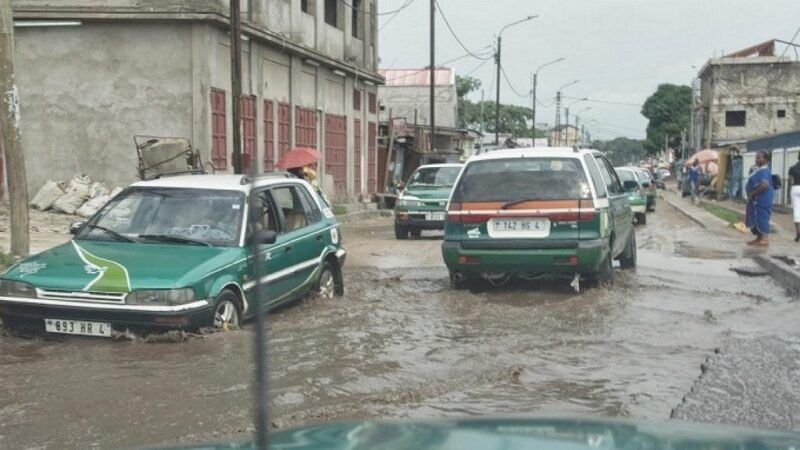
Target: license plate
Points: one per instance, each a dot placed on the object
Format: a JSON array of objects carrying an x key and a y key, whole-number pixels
[
  {"x": 520, "y": 227},
  {"x": 79, "y": 327},
  {"x": 435, "y": 216}
]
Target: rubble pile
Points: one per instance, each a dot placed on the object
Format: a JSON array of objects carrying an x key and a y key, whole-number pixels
[{"x": 80, "y": 196}]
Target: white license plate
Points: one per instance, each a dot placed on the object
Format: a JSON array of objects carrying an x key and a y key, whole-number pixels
[
  {"x": 520, "y": 227},
  {"x": 79, "y": 327},
  {"x": 434, "y": 216}
]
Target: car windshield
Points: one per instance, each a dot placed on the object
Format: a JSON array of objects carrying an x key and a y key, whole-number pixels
[
  {"x": 512, "y": 179},
  {"x": 434, "y": 177},
  {"x": 643, "y": 175},
  {"x": 187, "y": 216},
  {"x": 626, "y": 175}
]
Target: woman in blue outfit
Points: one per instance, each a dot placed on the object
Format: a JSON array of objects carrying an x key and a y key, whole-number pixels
[{"x": 759, "y": 200}]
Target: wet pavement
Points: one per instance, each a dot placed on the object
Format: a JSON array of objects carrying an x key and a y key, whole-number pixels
[{"x": 402, "y": 344}]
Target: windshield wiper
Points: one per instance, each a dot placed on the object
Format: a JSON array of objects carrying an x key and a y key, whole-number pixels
[
  {"x": 112, "y": 233},
  {"x": 171, "y": 238},
  {"x": 517, "y": 202}
]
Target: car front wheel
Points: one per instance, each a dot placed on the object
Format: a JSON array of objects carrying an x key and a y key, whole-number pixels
[
  {"x": 327, "y": 284},
  {"x": 401, "y": 231},
  {"x": 227, "y": 312}
]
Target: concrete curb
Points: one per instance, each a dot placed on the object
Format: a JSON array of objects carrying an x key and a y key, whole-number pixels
[
  {"x": 364, "y": 215},
  {"x": 742, "y": 215},
  {"x": 686, "y": 213},
  {"x": 786, "y": 275}
]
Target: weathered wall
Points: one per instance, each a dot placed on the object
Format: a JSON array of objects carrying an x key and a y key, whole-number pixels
[
  {"x": 760, "y": 87},
  {"x": 403, "y": 100},
  {"x": 82, "y": 105}
]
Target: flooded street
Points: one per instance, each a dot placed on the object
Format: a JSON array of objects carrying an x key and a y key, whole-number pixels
[{"x": 400, "y": 343}]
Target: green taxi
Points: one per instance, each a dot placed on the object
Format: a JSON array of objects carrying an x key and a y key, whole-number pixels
[
  {"x": 649, "y": 186},
  {"x": 528, "y": 212},
  {"x": 636, "y": 193},
  {"x": 423, "y": 202},
  {"x": 177, "y": 253}
]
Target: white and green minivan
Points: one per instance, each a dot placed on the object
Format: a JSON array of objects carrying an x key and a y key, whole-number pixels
[{"x": 176, "y": 253}]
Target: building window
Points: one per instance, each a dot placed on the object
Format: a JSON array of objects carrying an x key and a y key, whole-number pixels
[
  {"x": 373, "y": 103},
  {"x": 219, "y": 129},
  {"x": 356, "y": 100},
  {"x": 356, "y": 15},
  {"x": 735, "y": 118},
  {"x": 781, "y": 114},
  {"x": 307, "y": 6},
  {"x": 332, "y": 13}
]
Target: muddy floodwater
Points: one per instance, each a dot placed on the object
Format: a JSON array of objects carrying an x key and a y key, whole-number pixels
[{"x": 402, "y": 344}]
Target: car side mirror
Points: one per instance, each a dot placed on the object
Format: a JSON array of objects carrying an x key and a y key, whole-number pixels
[
  {"x": 263, "y": 237},
  {"x": 75, "y": 227},
  {"x": 630, "y": 185}
]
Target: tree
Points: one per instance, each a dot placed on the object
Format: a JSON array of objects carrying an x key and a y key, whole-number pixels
[
  {"x": 622, "y": 150},
  {"x": 466, "y": 85},
  {"x": 669, "y": 113},
  {"x": 513, "y": 119}
]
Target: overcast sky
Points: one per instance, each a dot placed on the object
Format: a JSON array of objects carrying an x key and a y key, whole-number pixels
[{"x": 620, "y": 50}]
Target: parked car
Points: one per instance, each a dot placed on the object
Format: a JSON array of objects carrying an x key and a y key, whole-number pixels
[
  {"x": 525, "y": 212},
  {"x": 649, "y": 186},
  {"x": 422, "y": 204},
  {"x": 175, "y": 253},
  {"x": 636, "y": 193}
]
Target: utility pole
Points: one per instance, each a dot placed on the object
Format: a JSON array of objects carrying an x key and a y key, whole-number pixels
[
  {"x": 236, "y": 83},
  {"x": 566, "y": 126},
  {"x": 11, "y": 143},
  {"x": 433, "y": 76},
  {"x": 482, "y": 123},
  {"x": 533, "y": 109},
  {"x": 577, "y": 131},
  {"x": 558, "y": 119},
  {"x": 497, "y": 99}
]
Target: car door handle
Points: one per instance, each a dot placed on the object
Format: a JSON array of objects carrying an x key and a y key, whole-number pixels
[
  {"x": 288, "y": 249},
  {"x": 319, "y": 237}
]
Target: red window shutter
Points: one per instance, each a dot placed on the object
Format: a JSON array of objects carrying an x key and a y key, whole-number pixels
[
  {"x": 269, "y": 136},
  {"x": 219, "y": 130},
  {"x": 373, "y": 103},
  {"x": 306, "y": 127},
  {"x": 356, "y": 100},
  {"x": 357, "y": 156},
  {"x": 336, "y": 151},
  {"x": 284, "y": 129},
  {"x": 248, "y": 132},
  {"x": 372, "y": 157}
]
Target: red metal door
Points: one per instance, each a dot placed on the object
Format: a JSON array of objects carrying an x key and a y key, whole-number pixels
[
  {"x": 306, "y": 127},
  {"x": 336, "y": 151},
  {"x": 269, "y": 136},
  {"x": 357, "y": 156},
  {"x": 219, "y": 130},
  {"x": 372, "y": 157},
  {"x": 248, "y": 132},
  {"x": 284, "y": 129}
]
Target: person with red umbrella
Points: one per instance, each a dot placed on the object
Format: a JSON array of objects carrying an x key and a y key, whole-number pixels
[{"x": 301, "y": 162}]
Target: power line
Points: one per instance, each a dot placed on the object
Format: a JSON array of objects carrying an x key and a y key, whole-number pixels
[
  {"x": 372, "y": 13},
  {"x": 605, "y": 102},
  {"x": 511, "y": 85},
  {"x": 415, "y": 72},
  {"x": 483, "y": 63},
  {"x": 395, "y": 14},
  {"x": 455, "y": 36}
]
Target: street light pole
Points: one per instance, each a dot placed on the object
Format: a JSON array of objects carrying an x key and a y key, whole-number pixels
[
  {"x": 566, "y": 122},
  {"x": 433, "y": 76},
  {"x": 535, "y": 84},
  {"x": 236, "y": 83},
  {"x": 558, "y": 108},
  {"x": 497, "y": 61}
]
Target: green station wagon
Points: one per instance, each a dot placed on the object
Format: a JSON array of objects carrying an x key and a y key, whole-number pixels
[
  {"x": 423, "y": 203},
  {"x": 528, "y": 212},
  {"x": 636, "y": 193},
  {"x": 176, "y": 253}
]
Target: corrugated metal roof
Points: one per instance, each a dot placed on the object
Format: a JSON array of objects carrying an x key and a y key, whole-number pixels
[{"x": 444, "y": 76}]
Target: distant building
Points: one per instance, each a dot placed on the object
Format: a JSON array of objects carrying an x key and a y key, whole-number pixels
[
  {"x": 564, "y": 136},
  {"x": 407, "y": 94},
  {"x": 744, "y": 95},
  {"x": 92, "y": 74}
]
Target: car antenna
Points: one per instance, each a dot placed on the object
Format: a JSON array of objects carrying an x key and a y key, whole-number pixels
[{"x": 260, "y": 354}]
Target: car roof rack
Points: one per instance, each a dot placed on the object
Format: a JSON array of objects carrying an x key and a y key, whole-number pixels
[
  {"x": 177, "y": 174},
  {"x": 266, "y": 175}
]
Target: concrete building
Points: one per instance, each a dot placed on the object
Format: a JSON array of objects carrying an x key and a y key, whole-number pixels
[
  {"x": 94, "y": 73},
  {"x": 744, "y": 95},
  {"x": 564, "y": 136},
  {"x": 407, "y": 94}
]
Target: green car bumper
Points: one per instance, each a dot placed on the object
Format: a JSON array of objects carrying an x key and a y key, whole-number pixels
[{"x": 525, "y": 256}]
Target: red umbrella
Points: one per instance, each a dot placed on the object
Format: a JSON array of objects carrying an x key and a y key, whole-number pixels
[
  {"x": 299, "y": 157},
  {"x": 703, "y": 157}
]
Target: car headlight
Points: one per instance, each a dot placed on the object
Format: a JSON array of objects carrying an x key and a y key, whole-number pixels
[
  {"x": 170, "y": 297},
  {"x": 9, "y": 288},
  {"x": 408, "y": 201}
]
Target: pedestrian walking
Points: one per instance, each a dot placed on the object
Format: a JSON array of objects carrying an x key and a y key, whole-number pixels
[
  {"x": 694, "y": 180},
  {"x": 794, "y": 179},
  {"x": 759, "y": 200}
]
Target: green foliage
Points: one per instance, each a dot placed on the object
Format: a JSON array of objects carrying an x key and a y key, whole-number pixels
[
  {"x": 513, "y": 119},
  {"x": 6, "y": 261},
  {"x": 669, "y": 113},
  {"x": 466, "y": 85},
  {"x": 723, "y": 213},
  {"x": 622, "y": 150}
]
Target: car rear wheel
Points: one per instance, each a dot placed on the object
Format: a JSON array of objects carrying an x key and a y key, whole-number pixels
[
  {"x": 628, "y": 258},
  {"x": 605, "y": 275},
  {"x": 330, "y": 283},
  {"x": 227, "y": 312},
  {"x": 401, "y": 231},
  {"x": 416, "y": 232},
  {"x": 641, "y": 218}
]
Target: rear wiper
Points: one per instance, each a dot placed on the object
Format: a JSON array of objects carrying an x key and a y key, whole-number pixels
[
  {"x": 176, "y": 239},
  {"x": 517, "y": 202},
  {"x": 112, "y": 233}
]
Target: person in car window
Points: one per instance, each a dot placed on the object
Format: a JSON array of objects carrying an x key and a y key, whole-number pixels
[
  {"x": 794, "y": 177},
  {"x": 759, "y": 200}
]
